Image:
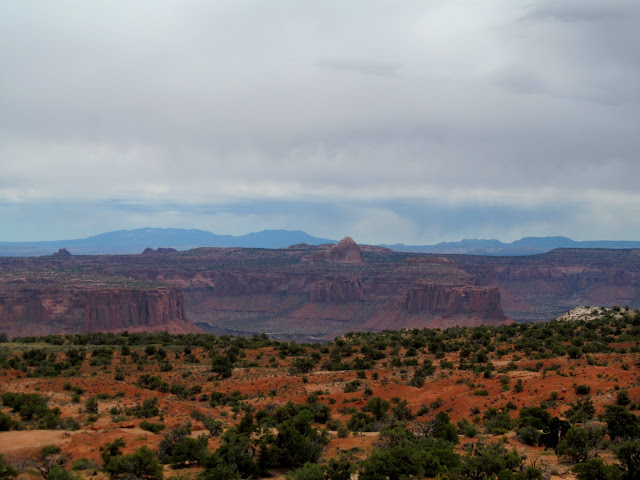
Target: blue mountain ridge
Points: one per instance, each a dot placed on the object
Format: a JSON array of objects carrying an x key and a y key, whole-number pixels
[{"x": 135, "y": 241}]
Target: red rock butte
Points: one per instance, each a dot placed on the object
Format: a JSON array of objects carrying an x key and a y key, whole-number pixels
[
  {"x": 304, "y": 292},
  {"x": 345, "y": 251},
  {"x": 301, "y": 292}
]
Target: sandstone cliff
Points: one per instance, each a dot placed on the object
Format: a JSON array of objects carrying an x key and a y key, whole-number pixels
[
  {"x": 454, "y": 300},
  {"x": 345, "y": 251},
  {"x": 111, "y": 310},
  {"x": 50, "y": 309},
  {"x": 302, "y": 292},
  {"x": 542, "y": 287}
]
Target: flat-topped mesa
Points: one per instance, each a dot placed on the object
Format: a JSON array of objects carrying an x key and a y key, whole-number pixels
[
  {"x": 159, "y": 251},
  {"x": 51, "y": 309}
]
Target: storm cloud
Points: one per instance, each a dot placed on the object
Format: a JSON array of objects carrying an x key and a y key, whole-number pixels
[{"x": 411, "y": 122}]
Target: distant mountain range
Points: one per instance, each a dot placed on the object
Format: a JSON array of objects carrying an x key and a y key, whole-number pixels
[
  {"x": 524, "y": 246},
  {"x": 135, "y": 241}
]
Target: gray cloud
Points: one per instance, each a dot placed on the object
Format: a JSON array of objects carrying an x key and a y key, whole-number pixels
[
  {"x": 366, "y": 67},
  {"x": 191, "y": 110}
]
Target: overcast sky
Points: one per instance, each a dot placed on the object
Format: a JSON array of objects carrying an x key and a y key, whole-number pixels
[{"x": 390, "y": 121}]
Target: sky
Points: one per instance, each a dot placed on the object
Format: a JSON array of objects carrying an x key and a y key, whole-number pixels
[{"x": 390, "y": 121}]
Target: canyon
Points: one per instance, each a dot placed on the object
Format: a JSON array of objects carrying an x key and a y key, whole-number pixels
[
  {"x": 543, "y": 287},
  {"x": 304, "y": 292}
]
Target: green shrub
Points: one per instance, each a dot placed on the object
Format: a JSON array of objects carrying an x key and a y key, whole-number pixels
[
  {"x": 529, "y": 435},
  {"x": 83, "y": 464},
  {"x": 583, "y": 389},
  {"x": 152, "y": 427},
  {"x": 596, "y": 469}
]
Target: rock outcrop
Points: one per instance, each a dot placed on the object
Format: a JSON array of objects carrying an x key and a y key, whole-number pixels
[
  {"x": 337, "y": 291},
  {"x": 542, "y": 287},
  {"x": 52, "y": 310},
  {"x": 345, "y": 251},
  {"x": 303, "y": 292},
  {"x": 111, "y": 310},
  {"x": 454, "y": 300}
]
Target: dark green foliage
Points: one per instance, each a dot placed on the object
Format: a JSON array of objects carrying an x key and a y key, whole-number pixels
[
  {"x": 352, "y": 386},
  {"x": 581, "y": 443},
  {"x": 50, "y": 460},
  {"x": 401, "y": 411},
  {"x": 7, "y": 472},
  {"x": 552, "y": 433},
  {"x": 442, "y": 428},
  {"x": 309, "y": 471},
  {"x": 246, "y": 425},
  {"x": 178, "y": 449},
  {"x": 213, "y": 426},
  {"x": 59, "y": 473},
  {"x": 83, "y": 464},
  {"x": 574, "y": 352},
  {"x": 222, "y": 366},
  {"x": 153, "y": 382},
  {"x": 377, "y": 407},
  {"x": 417, "y": 380},
  {"x": 529, "y": 435},
  {"x": 111, "y": 450},
  {"x": 148, "y": 409},
  {"x": 621, "y": 423},
  {"x": 629, "y": 456},
  {"x": 467, "y": 428},
  {"x": 485, "y": 461},
  {"x": 142, "y": 464},
  {"x": 623, "y": 398},
  {"x": 152, "y": 427},
  {"x": 33, "y": 408},
  {"x": 497, "y": 422},
  {"x": 581, "y": 411},
  {"x": 596, "y": 469},
  {"x": 91, "y": 405},
  {"x": 101, "y": 357},
  {"x": 219, "y": 399},
  {"x": 69, "y": 423},
  {"x": 362, "y": 422},
  {"x": 405, "y": 456},
  {"x": 339, "y": 468},
  {"x": 296, "y": 442},
  {"x": 536, "y": 417},
  {"x": 7, "y": 423},
  {"x": 234, "y": 459},
  {"x": 301, "y": 365},
  {"x": 583, "y": 389}
]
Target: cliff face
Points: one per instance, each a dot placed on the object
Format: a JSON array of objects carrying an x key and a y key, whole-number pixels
[
  {"x": 337, "y": 291},
  {"x": 542, "y": 287},
  {"x": 51, "y": 310},
  {"x": 450, "y": 300},
  {"x": 131, "y": 309},
  {"x": 300, "y": 292}
]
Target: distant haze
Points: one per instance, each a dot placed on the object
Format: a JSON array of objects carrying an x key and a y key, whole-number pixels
[
  {"x": 410, "y": 122},
  {"x": 138, "y": 240}
]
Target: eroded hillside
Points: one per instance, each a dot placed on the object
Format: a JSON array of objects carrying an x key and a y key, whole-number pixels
[{"x": 301, "y": 292}]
